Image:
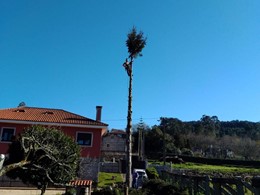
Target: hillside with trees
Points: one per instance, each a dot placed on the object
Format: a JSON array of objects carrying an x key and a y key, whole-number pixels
[{"x": 208, "y": 137}]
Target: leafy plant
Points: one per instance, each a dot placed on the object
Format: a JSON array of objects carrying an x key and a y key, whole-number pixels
[
  {"x": 158, "y": 187},
  {"x": 71, "y": 191},
  {"x": 152, "y": 173},
  {"x": 50, "y": 156},
  {"x": 107, "y": 191}
]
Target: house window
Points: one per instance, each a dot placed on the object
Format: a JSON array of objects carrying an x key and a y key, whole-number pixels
[
  {"x": 84, "y": 139},
  {"x": 7, "y": 134}
]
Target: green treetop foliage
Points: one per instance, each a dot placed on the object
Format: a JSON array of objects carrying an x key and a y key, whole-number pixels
[
  {"x": 135, "y": 43},
  {"x": 51, "y": 157}
]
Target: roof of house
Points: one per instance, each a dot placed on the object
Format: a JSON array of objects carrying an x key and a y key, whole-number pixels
[
  {"x": 80, "y": 183},
  {"x": 45, "y": 115},
  {"x": 117, "y": 131}
]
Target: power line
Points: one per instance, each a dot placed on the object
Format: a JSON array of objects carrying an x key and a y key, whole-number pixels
[{"x": 124, "y": 119}]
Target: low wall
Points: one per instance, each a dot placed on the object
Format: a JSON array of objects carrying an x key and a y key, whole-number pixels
[
  {"x": 110, "y": 167},
  {"x": 31, "y": 192}
]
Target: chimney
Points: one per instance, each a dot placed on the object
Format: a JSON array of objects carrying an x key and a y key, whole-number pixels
[{"x": 98, "y": 113}]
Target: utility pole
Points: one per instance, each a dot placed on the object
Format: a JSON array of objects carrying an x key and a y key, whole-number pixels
[
  {"x": 163, "y": 124},
  {"x": 140, "y": 140},
  {"x": 164, "y": 147}
]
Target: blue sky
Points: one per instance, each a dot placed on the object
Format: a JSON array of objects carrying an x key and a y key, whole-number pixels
[{"x": 202, "y": 57}]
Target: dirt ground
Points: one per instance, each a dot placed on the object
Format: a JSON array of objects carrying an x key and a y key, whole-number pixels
[{"x": 30, "y": 192}]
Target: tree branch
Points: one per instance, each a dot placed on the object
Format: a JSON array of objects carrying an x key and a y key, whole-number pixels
[{"x": 10, "y": 167}]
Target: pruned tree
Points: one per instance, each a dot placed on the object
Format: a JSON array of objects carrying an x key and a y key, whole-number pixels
[
  {"x": 135, "y": 43},
  {"x": 42, "y": 156}
]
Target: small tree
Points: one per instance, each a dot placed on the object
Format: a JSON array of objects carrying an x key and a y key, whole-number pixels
[{"x": 48, "y": 154}]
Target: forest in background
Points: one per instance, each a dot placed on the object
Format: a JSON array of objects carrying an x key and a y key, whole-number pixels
[{"x": 208, "y": 137}]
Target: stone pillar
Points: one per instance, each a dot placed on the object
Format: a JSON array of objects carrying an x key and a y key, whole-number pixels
[{"x": 87, "y": 191}]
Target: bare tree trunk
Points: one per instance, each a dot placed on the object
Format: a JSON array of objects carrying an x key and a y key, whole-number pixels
[
  {"x": 129, "y": 136},
  {"x": 43, "y": 188}
]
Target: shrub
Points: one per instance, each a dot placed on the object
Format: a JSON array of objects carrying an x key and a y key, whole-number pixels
[
  {"x": 108, "y": 191},
  {"x": 134, "y": 191},
  {"x": 152, "y": 173},
  {"x": 159, "y": 187},
  {"x": 71, "y": 191},
  {"x": 186, "y": 151}
]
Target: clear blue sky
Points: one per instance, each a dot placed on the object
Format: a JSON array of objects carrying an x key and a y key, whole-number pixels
[{"x": 202, "y": 57}]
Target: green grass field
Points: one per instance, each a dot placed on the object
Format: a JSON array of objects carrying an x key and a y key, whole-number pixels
[
  {"x": 109, "y": 179},
  {"x": 207, "y": 169}
]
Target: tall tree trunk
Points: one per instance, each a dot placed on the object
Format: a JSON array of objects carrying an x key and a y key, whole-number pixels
[
  {"x": 129, "y": 132},
  {"x": 129, "y": 135}
]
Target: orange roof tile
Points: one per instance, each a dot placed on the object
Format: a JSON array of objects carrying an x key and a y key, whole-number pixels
[
  {"x": 46, "y": 115},
  {"x": 80, "y": 183},
  {"x": 117, "y": 131}
]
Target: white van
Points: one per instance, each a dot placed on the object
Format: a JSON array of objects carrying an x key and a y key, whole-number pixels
[{"x": 141, "y": 173}]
